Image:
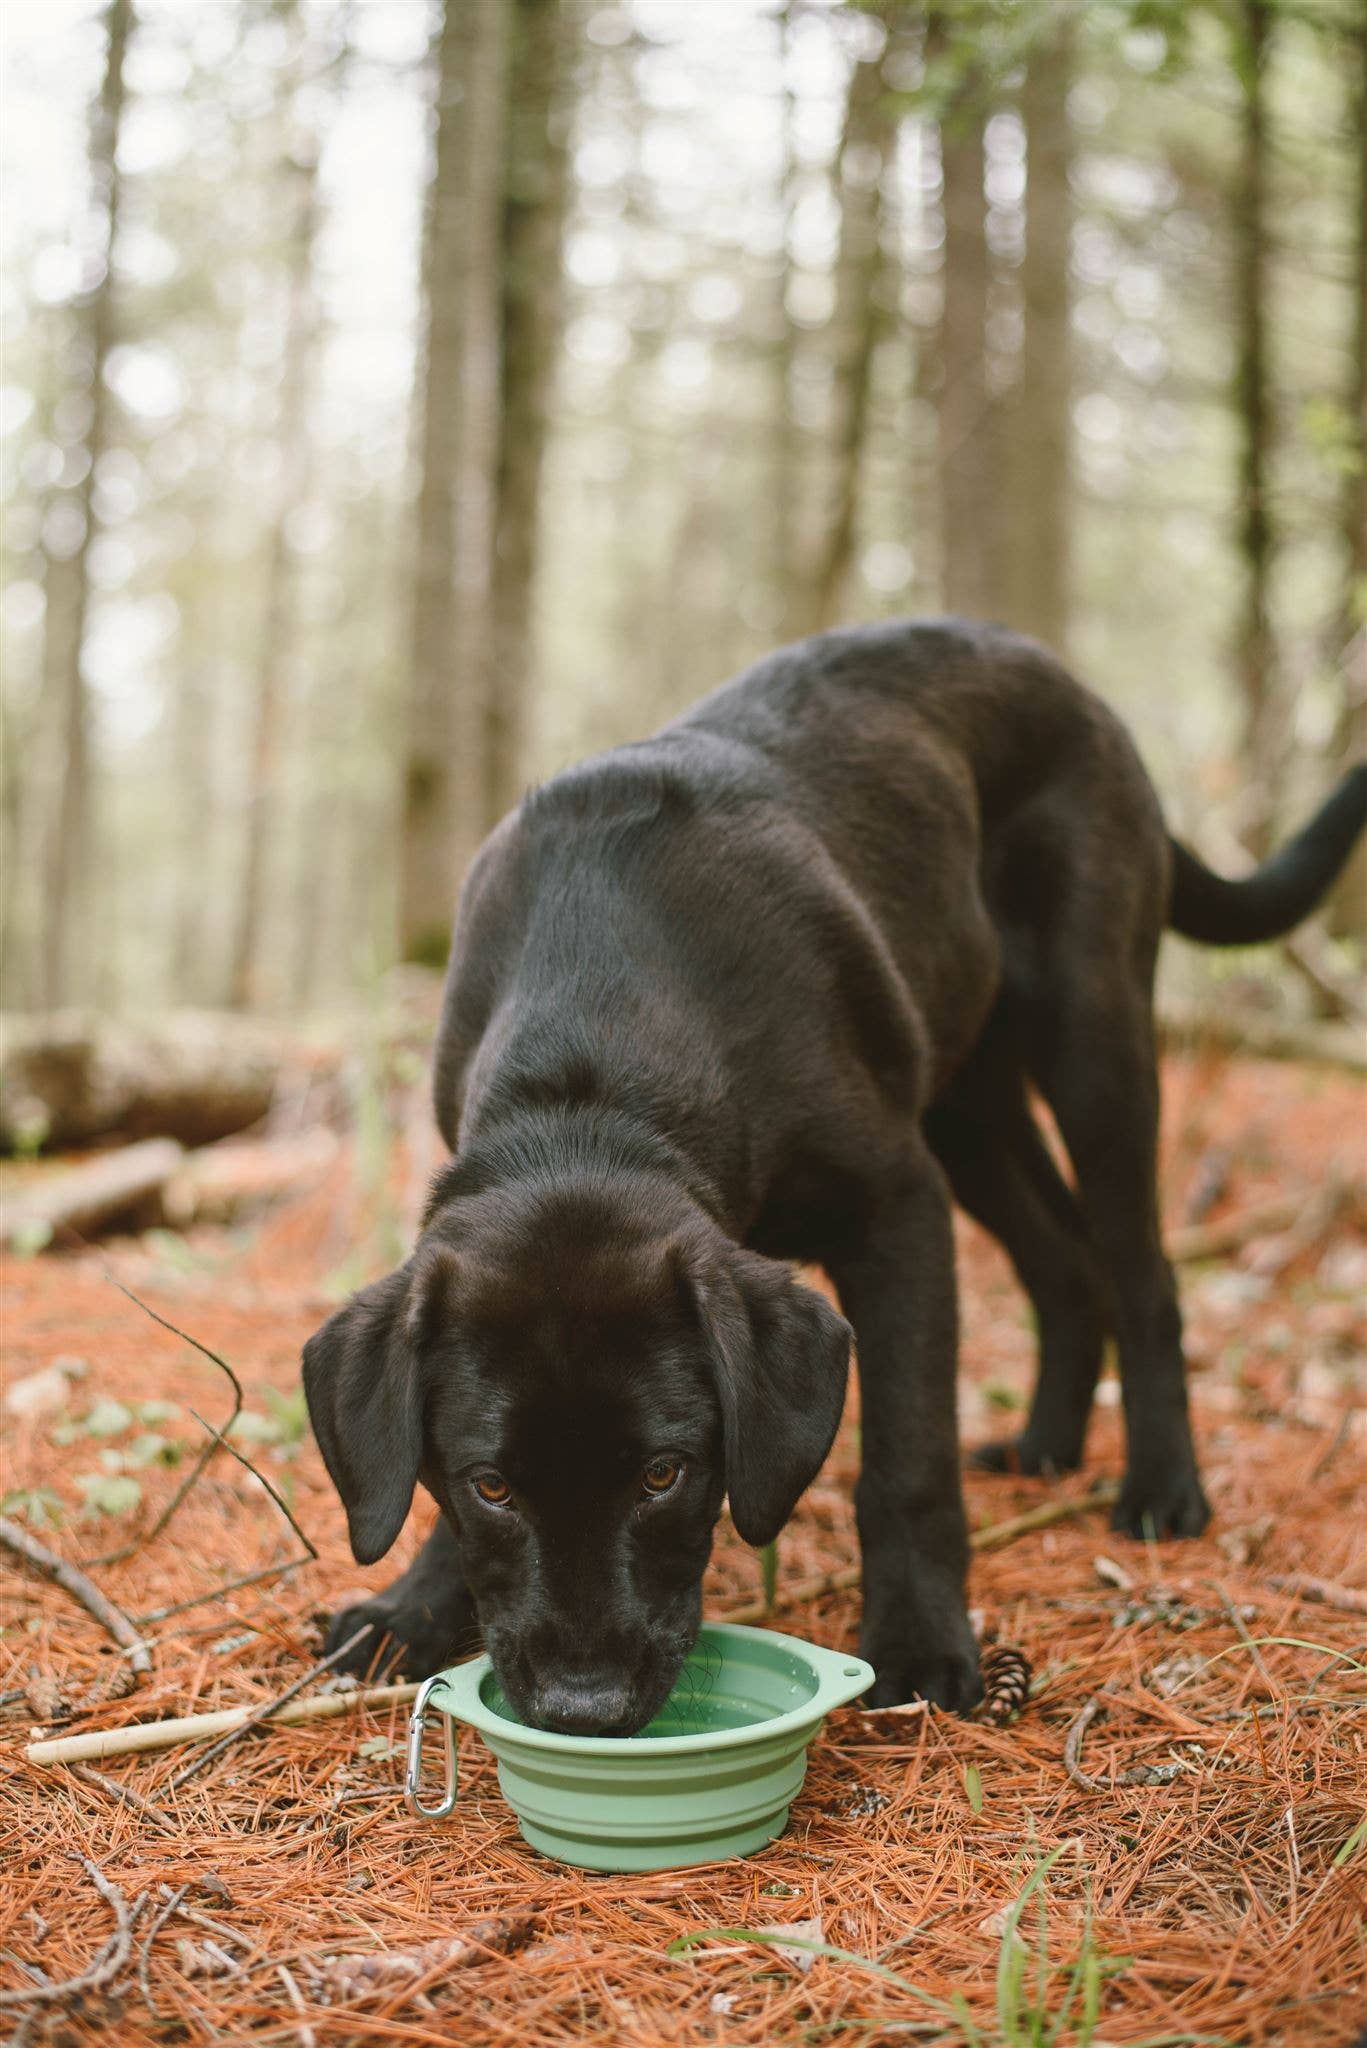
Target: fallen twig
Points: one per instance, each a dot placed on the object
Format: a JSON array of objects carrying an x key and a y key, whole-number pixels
[
  {"x": 124, "y": 1794},
  {"x": 990, "y": 1538},
  {"x": 267, "y": 1571},
  {"x": 107, "y": 1963},
  {"x": 233, "y": 1452},
  {"x": 196, "y": 1471},
  {"x": 1072, "y": 1746},
  {"x": 98, "y": 1743},
  {"x": 145, "y": 1953},
  {"x": 74, "y": 1581},
  {"x": 264, "y": 1713},
  {"x": 1325, "y": 1592},
  {"x": 307, "y": 2037}
]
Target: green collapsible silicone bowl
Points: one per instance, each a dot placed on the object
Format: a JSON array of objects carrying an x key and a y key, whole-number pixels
[{"x": 713, "y": 1774}]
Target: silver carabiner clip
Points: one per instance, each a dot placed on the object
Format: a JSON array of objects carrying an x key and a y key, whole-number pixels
[{"x": 412, "y": 1779}]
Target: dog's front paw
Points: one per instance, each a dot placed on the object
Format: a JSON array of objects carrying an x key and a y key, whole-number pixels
[
  {"x": 947, "y": 1677},
  {"x": 1154, "y": 1504},
  {"x": 392, "y": 1640}
]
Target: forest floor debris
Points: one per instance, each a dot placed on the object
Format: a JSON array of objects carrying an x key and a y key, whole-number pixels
[{"x": 1209, "y": 1885}]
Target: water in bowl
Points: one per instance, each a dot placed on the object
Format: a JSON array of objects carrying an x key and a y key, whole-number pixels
[{"x": 711, "y": 1694}]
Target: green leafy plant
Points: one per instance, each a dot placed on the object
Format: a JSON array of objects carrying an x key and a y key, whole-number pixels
[
  {"x": 285, "y": 1424},
  {"x": 768, "y": 1571},
  {"x": 973, "y": 1787},
  {"x": 108, "y": 1493},
  {"x": 37, "y": 1505}
]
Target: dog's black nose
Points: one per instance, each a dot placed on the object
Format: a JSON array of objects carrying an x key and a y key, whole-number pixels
[{"x": 583, "y": 1706}]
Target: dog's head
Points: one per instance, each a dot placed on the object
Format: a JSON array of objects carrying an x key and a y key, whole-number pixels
[{"x": 579, "y": 1378}]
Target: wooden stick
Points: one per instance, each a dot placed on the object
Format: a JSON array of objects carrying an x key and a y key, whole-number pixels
[
  {"x": 990, "y": 1538},
  {"x": 1327, "y": 1592},
  {"x": 111, "y": 1957},
  {"x": 125, "y": 1795},
  {"x": 266, "y": 1712},
  {"x": 74, "y": 1581},
  {"x": 105, "y": 1742},
  {"x": 1072, "y": 1746}
]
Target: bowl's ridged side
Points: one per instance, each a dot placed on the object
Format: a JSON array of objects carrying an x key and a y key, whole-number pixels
[{"x": 684, "y": 1810}]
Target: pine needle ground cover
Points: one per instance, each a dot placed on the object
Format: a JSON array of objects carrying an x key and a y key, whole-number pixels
[{"x": 1168, "y": 1842}]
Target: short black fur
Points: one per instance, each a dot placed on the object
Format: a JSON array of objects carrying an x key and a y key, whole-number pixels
[{"x": 776, "y": 985}]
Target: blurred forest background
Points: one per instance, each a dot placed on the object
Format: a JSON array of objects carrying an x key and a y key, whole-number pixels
[{"x": 401, "y": 401}]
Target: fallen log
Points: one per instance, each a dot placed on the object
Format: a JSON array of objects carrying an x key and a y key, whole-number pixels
[
  {"x": 69, "y": 1078},
  {"x": 1235, "y": 1028},
  {"x": 224, "y": 1181},
  {"x": 114, "y": 1187}
]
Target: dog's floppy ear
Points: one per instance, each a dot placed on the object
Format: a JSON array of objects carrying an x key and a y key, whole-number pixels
[
  {"x": 365, "y": 1386},
  {"x": 782, "y": 1357}
]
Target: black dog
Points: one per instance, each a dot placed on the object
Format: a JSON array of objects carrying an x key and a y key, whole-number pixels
[{"x": 772, "y": 986}]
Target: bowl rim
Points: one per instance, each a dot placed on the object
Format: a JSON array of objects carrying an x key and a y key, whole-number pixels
[{"x": 840, "y": 1677}]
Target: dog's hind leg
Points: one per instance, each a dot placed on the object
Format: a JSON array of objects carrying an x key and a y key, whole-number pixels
[
  {"x": 1095, "y": 1060},
  {"x": 999, "y": 1167}
]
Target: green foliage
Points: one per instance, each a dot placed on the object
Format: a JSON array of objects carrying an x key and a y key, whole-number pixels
[
  {"x": 151, "y": 1449},
  {"x": 108, "y": 1493},
  {"x": 30, "y": 1236},
  {"x": 37, "y": 1505},
  {"x": 286, "y": 1423},
  {"x": 768, "y": 1567},
  {"x": 973, "y": 1787},
  {"x": 1039, "y": 2004}
]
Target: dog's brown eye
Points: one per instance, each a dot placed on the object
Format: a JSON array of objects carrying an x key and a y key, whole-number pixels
[
  {"x": 660, "y": 1474},
  {"x": 496, "y": 1491}
]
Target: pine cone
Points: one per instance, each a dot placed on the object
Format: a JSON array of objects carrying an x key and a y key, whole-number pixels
[{"x": 1006, "y": 1683}]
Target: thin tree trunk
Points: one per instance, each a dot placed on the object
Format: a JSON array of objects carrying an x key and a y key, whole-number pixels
[
  {"x": 535, "y": 191},
  {"x": 69, "y": 934},
  {"x": 1040, "y": 422},
  {"x": 786, "y": 525},
  {"x": 1255, "y": 645},
  {"x": 458, "y": 426},
  {"x": 966, "y": 480},
  {"x": 246, "y": 976},
  {"x": 1348, "y": 909},
  {"x": 865, "y": 144}
]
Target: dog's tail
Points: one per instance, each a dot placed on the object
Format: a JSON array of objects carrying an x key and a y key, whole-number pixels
[{"x": 1275, "y": 897}]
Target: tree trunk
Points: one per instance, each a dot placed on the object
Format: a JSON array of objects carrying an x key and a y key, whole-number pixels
[
  {"x": 69, "y": 933},
  {"x": 966, "y": 479},
  {"x": 1255, "y": 646},
  {"x": 864, "y": 147},
  {"x": 458, "y": 424},
  {"x": 1348, "y": 652},
  {"x": 790, "y": 605},
  {"x": 1041, "y": 480},
  {"x": 535, "y": 191},
  {"x": 245, "y": 987}
]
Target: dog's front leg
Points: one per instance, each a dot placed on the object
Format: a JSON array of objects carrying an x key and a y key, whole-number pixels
[
  {"x": 427, "y": 1616},
  {"x": 896, "y": 1285}
]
